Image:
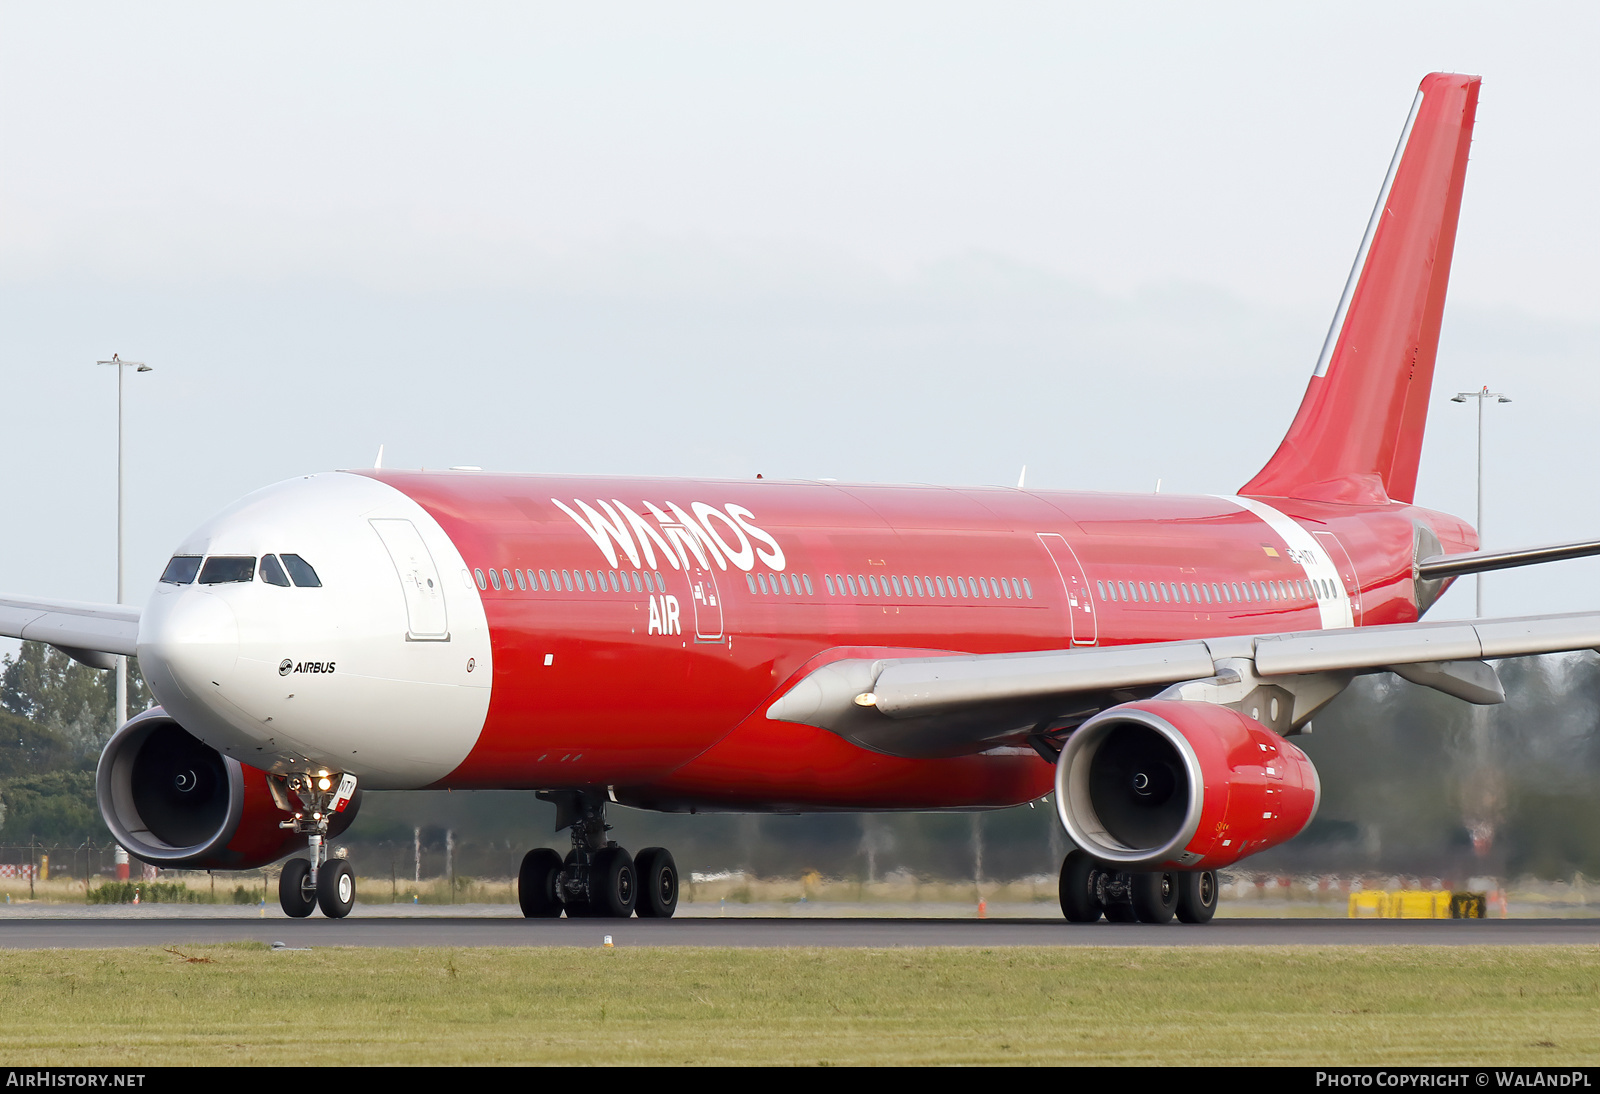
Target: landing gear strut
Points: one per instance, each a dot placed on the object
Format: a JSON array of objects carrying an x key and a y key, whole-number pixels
[
  {"x": 1090, "y": 889},
  {"x": 598, "y": 878},
  {"x": 318, "y": 881}
]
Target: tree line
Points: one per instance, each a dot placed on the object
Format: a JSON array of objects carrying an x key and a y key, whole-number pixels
[{"x": 55, "y": 717}]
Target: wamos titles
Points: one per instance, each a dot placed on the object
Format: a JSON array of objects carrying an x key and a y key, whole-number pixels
[{"x": 708, "y": 534}]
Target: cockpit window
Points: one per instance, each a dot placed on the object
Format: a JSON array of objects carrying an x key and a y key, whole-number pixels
[
  {"x": 181, "y": 570},
  {"x": 224, "y": 570},
  {"x": 272, "y": 573},
  {"x": 299, "y": 569}
]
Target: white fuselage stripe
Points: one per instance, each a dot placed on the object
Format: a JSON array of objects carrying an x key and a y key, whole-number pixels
[{"x": 1310, "y": 555}]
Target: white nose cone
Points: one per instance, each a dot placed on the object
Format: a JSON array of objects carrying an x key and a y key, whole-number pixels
[{"x": 347, "y": 634}]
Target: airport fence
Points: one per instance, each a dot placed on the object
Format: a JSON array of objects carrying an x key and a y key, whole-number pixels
[{"x": 40, "y": 861}]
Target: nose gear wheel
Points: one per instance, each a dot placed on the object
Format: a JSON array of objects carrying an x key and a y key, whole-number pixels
[{"x": 297, "y": 894}]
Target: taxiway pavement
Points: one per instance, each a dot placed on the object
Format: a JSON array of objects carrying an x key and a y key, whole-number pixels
[{"x": 100, "y": 931}]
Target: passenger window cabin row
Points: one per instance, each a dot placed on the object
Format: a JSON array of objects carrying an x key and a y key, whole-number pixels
[
  {"x": 915, "y": 586},
  {"x": 506, "y": 579},
  {"x": 570, "y": 581},
  {"x": 780, "y": 584},
  {"x": 1203, "y": 593}
]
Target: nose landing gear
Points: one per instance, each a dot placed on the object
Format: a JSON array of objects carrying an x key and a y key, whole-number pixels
[
  {"x": 318, "y": 881},
  {"x": 598, "y": 878}
]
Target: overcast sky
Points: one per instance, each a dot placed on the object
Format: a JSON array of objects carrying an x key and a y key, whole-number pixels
[{"x": 875, "y": 241}]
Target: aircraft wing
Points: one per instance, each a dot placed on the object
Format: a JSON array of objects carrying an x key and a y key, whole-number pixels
[
  {"x": 91, "y": 633},
  {"x": 962, "y": 703}
]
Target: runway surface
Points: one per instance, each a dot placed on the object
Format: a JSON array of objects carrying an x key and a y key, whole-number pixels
[{"x": 461, "y": 931}]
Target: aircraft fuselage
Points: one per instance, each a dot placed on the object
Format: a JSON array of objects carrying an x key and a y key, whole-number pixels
[{"x": 477, "y": 630}]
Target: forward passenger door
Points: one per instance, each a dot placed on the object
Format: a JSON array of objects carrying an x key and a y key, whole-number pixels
[{"x": 426, "y": 617}]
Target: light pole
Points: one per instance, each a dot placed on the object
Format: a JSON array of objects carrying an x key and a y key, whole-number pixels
[
  {"x": 122, "y": 661},
  {"x": 1481, "y": 396}
]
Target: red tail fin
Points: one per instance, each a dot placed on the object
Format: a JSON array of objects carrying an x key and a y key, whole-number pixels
[{"x": 1358, "y": 435}]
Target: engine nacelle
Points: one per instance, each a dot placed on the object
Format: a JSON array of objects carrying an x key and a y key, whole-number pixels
[
  {"x": 173, "y": 800},
  {"x": 1170, "y": 784}
]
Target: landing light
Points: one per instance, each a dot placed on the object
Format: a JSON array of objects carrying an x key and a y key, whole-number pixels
[{"x": 324, "y": 783}]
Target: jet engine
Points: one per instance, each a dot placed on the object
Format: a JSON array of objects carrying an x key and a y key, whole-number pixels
[
  {"x": 1171, "y": 784},
  {"x": 173, "y": 800}
]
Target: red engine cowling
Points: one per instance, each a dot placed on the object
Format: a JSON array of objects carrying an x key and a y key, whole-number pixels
[
  {"x": 1168, "y": 784},
  {"x": 173, "y": 800}
]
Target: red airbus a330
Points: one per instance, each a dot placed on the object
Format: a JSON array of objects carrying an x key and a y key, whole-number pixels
[{"x": 796, "y": 646}]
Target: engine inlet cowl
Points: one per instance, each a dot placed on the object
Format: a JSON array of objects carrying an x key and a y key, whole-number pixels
[
  {"x": 1174, "y": 784},
  {"x": 173, "y": 800}
]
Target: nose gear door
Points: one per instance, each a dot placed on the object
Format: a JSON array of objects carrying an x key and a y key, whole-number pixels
[{"x": 426, "y": 617}]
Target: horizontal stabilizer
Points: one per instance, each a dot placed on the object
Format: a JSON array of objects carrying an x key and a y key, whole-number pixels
[{"x": 1477, "y": 562}]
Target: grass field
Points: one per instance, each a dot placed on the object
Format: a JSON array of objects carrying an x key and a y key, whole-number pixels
[{"x": 244, "y": 1003}]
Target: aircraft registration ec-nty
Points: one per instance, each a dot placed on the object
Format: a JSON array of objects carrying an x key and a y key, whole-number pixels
[{"x": 798, "y": 646}]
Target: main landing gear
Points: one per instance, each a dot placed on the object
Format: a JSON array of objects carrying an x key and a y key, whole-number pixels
[
  {"x": 318, "y": 881},
  {"x": 1090, "y": 889},
  {"x": 597, "y": 879}
]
